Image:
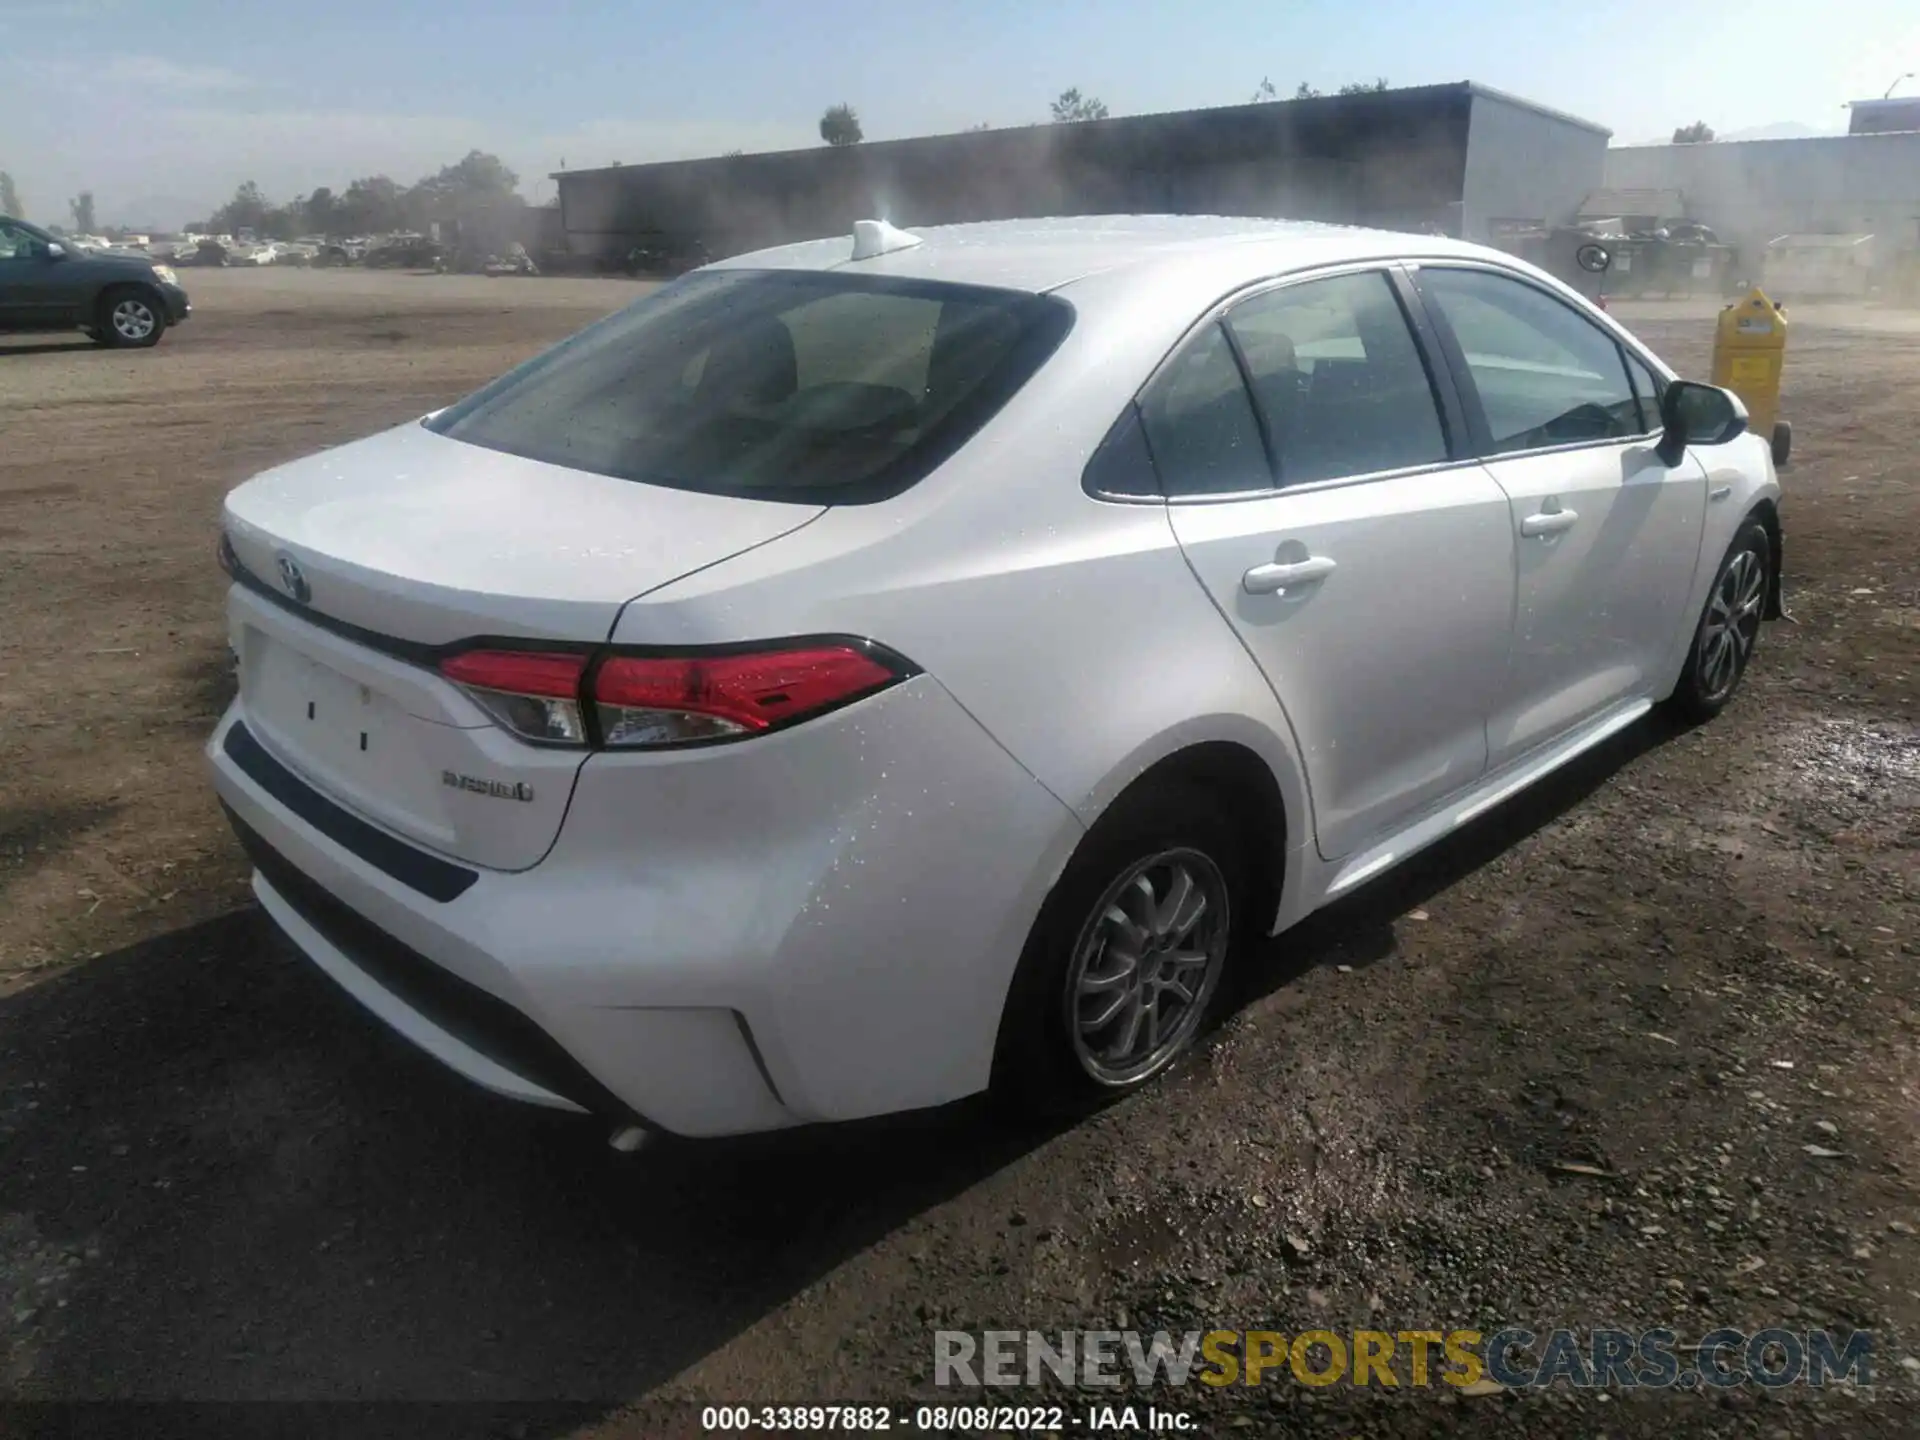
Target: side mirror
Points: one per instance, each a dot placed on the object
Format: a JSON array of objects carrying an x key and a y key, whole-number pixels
[
  {"x": 1696, "y": 414},
  {"x": 55, "y": 250}
]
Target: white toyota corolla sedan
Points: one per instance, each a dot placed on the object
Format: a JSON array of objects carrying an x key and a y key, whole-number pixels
[{"x": 871, "y": 671}]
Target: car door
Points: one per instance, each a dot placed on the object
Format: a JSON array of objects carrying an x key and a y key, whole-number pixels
[
  {"x": 1607, "y": 535},
  {"x": 22, "y": 305},
  {"x": 1320, "y": 497}
]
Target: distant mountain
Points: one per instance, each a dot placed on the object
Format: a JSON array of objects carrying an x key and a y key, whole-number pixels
[{"x": 1779, "y": 130}]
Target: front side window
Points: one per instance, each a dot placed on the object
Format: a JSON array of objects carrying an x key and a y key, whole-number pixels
[
  {"x": 1338, "y": 379},
  {"x": 1544, "y": 374},
  {"x": 17, "y": 242},
  {"x": 784, "y": 385},
  {"x": 1647, "y": 388}
]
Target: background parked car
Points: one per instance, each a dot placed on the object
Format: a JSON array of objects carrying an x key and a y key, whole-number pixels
[{"x": 407, "y": 252}]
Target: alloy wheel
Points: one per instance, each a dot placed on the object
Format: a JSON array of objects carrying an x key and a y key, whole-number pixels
[
  {"x": 1146, "y": 965},
  {"x": 1732, "y": 624},
  {"x": 133, "y": 319}
]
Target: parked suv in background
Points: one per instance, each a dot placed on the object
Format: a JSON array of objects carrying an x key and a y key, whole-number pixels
[{"x": 120, "y": 300}]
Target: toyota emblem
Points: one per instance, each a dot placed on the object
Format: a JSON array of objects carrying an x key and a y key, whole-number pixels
[{"x": 292, "y": 578}]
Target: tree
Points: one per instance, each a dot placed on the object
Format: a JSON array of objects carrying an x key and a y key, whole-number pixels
[
  {"x": 841, "y": 126},
  {"x": 370, "y": 206},
  {"x": 10, "y": 198},
  {"x": 247, "y": 210},
  {"x": 82, "y": 208},
  {"x": 1306, "y": 92},
  {"x": 480, "y": 178},
  {"x": 284, "y": 222},
  {"x": 318, "y": 212},
  {"x": 1265, "y": 92},
  {"x": 1698, "y": 133},
  {"x": 373, "y": 204},
  {"x": 1363, "y": 87},
  {"x": 983, "y": 125},
  {"x": 1073, "y": 106}
]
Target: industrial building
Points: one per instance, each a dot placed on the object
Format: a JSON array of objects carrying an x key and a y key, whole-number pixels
[
  {"x": 1885, "y": 116},
  {"x": 1754, "y": 192},
  {"x": 1460, "y": 159}
]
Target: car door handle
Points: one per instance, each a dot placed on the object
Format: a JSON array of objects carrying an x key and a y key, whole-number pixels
[
  {"x": 1720, "y": 492},
  {"x": 1549, "y": 522},
  {"x": 1271, "y": 579}
]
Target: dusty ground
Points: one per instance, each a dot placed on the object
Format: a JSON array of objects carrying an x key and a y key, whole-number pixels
[{"x": 1680, "y": 965}]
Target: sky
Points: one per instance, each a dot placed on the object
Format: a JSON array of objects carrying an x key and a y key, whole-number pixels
[{"x": 162, "y": 107}]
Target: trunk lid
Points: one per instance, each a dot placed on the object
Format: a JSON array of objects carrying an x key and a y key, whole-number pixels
[
  {"x": 420, "y": 538},
  {"x": 421, "y": 541}
]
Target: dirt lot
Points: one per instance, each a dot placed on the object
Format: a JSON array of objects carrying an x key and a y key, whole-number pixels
[{"x": 1679, "y": 965}]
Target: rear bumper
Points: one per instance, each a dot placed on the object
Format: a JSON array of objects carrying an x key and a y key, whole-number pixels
[
  {"x": 720, "y": 941},
  {"x": 465, "y": 1027}
]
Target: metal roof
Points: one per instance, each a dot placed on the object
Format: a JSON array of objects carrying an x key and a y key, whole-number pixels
[{"x": 1369, "y": 102}]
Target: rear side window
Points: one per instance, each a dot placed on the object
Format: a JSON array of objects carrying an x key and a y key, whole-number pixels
[
  {"x": 1338, "y": 379},
  {"x": 1200, "y": 424},
  {"x": 786, "y": 385},
  {"x": 1543, "y": 374}
]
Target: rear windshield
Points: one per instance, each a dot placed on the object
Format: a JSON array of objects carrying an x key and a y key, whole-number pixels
[{"x": 786, "y": 385}]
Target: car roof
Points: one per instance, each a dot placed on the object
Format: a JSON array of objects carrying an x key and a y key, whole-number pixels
[{"x": 1045, "y": 255}]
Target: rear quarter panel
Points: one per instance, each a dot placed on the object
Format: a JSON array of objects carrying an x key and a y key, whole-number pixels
[{"x": 1071, "y": 628}]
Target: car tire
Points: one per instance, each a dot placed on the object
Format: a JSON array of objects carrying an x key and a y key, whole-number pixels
[
  {"x": 1782, "y": 443},
  {"x": 131, "y": 319},
  {"x": 1728, "y": 630},
  {"x": 1112, "y": 934}
]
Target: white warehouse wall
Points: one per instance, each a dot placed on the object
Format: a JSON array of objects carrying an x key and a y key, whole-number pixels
[
  {"x": 1525, "y": 162},
  {"x": 1750, "y": 191}
]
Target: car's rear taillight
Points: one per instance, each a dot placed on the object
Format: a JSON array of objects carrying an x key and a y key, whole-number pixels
[
  {"x": 645, "y": 701},
  {"x": 534, "y": 693},
  {"x": 674, "y": 700}
]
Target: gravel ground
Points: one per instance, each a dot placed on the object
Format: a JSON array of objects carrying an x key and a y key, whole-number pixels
[{"x": 1683, "y": 969}]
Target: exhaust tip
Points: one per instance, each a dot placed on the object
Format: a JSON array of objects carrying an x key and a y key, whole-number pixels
[{"x": 628, "y": 1138}]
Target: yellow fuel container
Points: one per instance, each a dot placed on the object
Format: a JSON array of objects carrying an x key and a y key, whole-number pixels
[{"x": 1749, "y": 349}]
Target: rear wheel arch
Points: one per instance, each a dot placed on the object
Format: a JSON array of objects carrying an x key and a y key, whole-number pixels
[
  {"x": 1216, "y": 802},
  {"x": 1249, "y": 794}
]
